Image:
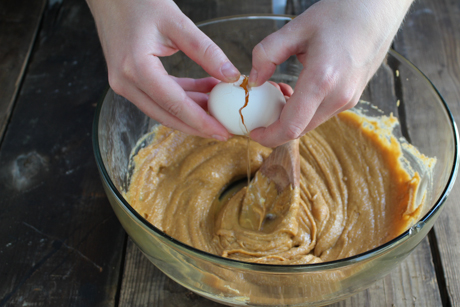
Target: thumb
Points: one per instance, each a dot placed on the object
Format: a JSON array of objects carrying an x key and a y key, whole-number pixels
[{"x": 274, "y": 50}]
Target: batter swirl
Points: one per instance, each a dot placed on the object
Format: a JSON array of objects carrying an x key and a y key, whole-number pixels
[{"x": 354, "y": 194}]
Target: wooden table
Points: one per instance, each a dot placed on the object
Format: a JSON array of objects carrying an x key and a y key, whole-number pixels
[{"x": 61, "y": 244}]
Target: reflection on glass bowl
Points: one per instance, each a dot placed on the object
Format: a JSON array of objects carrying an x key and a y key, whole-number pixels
[{"x": 398, "y": 88}]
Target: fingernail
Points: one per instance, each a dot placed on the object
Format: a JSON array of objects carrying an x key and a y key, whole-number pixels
[
  {"x": 230, "y": 72},
  {"x": 219, "y": 137},
  {"x": 252, "y": 78}
]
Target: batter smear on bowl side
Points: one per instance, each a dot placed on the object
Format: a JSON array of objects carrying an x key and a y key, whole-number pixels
[{"x": 355, "y": 193}]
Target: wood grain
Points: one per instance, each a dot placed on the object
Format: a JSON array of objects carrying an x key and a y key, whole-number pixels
[
  {"x": 413, "y": 283},
  {"x": 145, "y": 285},
  {"x": 430, "y": 38},
  {"x": 18, "y": 19},
  {"x": 61, "y": 245},
  {"x": 201, "y": 10},
  {"x": 60, "y": 242}
]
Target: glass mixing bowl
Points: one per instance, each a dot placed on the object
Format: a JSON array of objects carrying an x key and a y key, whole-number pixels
[{"x": 398, "y": 88}]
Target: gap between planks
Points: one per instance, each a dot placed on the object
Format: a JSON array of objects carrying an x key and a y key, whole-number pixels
[{"x": 19, "y": 28}]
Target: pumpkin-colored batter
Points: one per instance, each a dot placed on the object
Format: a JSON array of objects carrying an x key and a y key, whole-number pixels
[{"x": 354, "y": 193}]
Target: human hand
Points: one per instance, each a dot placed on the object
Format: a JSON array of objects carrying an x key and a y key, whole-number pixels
[
  {"x": 340, "y": 44},
  {"x": 134, "y": 34}
]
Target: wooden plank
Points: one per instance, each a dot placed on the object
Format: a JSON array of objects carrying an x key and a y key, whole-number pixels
[
  {"x": 200, "y": 10},
  {"x": 19, "y": 21},
  {"x": 296, "y": 7},
  {"x": 412, "y": 283},
  {"x": 431, "y": 40},
  {"x": 60, "y": 242},
  {"x": 143, "y": 284}
]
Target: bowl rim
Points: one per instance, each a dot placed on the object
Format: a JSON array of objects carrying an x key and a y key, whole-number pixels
[{"x": 280, "y": 268}]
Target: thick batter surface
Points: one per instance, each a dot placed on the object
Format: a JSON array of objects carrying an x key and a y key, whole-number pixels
[{"x": 354, "y": 194}]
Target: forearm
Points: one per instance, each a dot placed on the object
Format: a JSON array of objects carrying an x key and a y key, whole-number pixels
[{"x": 383, "y": 18}]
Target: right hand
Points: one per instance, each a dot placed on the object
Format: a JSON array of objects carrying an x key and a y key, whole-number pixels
[
  {"x": 134, "y": 34},
  {"x": 341, "y": 43}
]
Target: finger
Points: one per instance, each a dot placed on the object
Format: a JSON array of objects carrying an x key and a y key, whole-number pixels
[
  {"x": 287, "y": 127},
  {"x": 203, "y": 85},
  {"x": 286, "y": 89},
  {"x": 299, "y": 110},
  {"x": 293, "y": 120},
  {"x": 323, "y": 113},
  {"x": 153, "y": 110},
  {"x": 168, "y": 94},
  {"x": 304, "y": 113},
  {"x": 275, "y": 85},
  {"x": 272, "y": 51},
  {"x": 200, "y": 99},
  {"x": 201, "y": 49}
]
